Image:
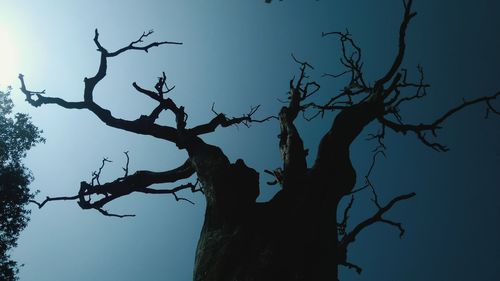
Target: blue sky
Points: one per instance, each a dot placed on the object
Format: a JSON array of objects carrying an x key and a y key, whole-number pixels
[{"x": 237, "y": 54}]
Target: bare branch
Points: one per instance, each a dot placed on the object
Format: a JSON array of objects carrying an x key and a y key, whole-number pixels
[
  {"x": 132, "y": 45},
  {"x": 491, "y": 109},
  {"x": 148, "y": 93},
  {"x": 291, "y": 145},
  {"x": 352, "y": 266},
  {"x": 377, "y": 217},
  {"x": 420, "y": 129},
  {"x": 351, "y": 60},
  {"x": 303, "y": 63},
  {"x": 48, "y": 199},
  {"x": 221, "y": 120},
  {"x": 343, "y": 224},
  {"x": 137, "y": 182},
  {"x": 336, "y": 75},
  {"x": 277, "y": 174},
  {"x": 36, "y": 99},
  {"x": 97, "y": 174},
  {"x": 165, "y": 104},
  {"x": 379, "y": 136},
  {"x": 408, "y": 15},
  {"x": 396, "y": 224},
  {"x": 137, "y": 126},
  {"x": 397, "y": 86},
  {"x": 125, "y": 169},
  {"x": 106, "y": 213},
  {"x": 452, "y": 111}
]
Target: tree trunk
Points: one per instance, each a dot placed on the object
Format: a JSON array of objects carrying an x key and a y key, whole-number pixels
[{"x": 247, "y": 241}]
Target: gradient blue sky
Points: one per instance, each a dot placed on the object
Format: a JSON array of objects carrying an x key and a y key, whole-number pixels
[{"x": 237, "y": 54}]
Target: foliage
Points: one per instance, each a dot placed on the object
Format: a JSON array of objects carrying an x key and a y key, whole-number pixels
[{"x": 17, "y": 136}]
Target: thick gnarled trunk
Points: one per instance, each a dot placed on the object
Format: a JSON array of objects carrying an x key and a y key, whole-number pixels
[
  {"x": 292, "y": 237},
  {"x": 245, "y": 240}
]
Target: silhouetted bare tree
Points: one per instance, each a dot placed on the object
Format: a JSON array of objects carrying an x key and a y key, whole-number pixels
[{"x": 297, "y": 234}]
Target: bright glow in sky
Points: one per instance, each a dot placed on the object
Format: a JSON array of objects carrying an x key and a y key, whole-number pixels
[{"x": 9, "y": 58}]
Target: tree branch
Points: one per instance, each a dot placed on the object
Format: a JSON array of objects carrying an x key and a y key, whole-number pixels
[
  {"x": 132, "y": 46},
  {"x": 291, "y": 145},
  {"x": 408, "y": 15},
  {"x": 137, "y": 182},
  {"x": 221, "y": 120},
  {"x": 377, "y": 217},
  {"x": 352, "y": 266},
  {"x": 48, "y": 199},
  {"x": 137, "y": 126},
  {"x": 342, "y": 226},
  {"x": 420, "y": 129}
]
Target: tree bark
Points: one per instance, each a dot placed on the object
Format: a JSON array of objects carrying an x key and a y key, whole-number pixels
[{"x": 244, "y": 240}]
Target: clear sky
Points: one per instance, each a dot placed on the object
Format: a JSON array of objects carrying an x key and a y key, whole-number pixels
[{"x": 237, "y": 54}]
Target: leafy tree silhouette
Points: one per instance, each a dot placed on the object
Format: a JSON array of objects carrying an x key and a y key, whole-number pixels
[
  {"x": 297, "y": 234},
  {"x": 17, "y": 135}
]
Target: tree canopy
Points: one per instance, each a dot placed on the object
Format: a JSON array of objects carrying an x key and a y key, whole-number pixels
[{"x": 17, "y": 136}]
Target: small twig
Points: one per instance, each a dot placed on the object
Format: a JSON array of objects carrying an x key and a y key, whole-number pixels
[
  {"x": 342, "y": 226},
  {"x": 125, "y": 169},
  {"x": 303, "y": 63},
  {"x": 352, "y": 266},
  {"x": 106, "y": 213},
  {"x": 97, "y": 174}
]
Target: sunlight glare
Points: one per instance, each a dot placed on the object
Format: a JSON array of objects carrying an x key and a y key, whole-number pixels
[{"x": 8, "y": 59}]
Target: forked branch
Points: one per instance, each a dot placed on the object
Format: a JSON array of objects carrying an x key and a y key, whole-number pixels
[
  {"x": 222, "y": 120},
  {"x": 393, "y": 89},
  {"x": 140, "y": 181},
  {"x": 408, "y": 15},
  {"x": 138, "y": 126},
  {"x": 133, "y": 44},
  {"x": 432, "y": 128},
  {"x": 377, "y": 217}
]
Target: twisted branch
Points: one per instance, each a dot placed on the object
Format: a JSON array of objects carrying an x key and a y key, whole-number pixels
[
  {"x": 137, "y": 182},
  {"x": 377, "y": 217}
]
